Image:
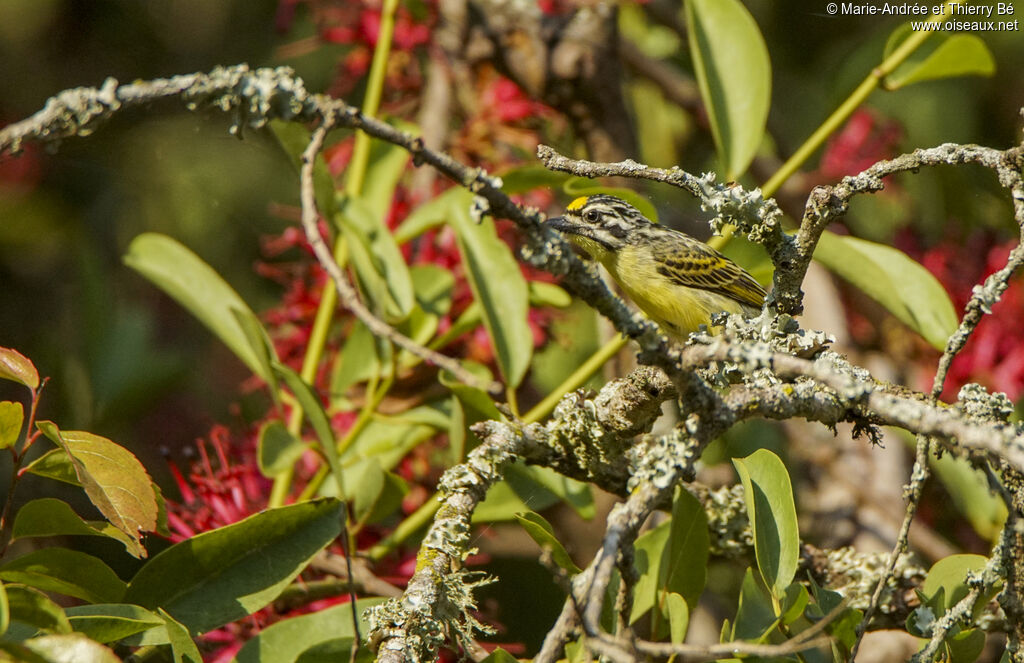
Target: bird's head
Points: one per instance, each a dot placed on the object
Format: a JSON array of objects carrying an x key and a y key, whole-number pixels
[{"x": 601, "y": 224}]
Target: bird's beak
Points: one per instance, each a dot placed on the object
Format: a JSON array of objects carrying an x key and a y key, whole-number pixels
[{"x": 563, "y": 224}]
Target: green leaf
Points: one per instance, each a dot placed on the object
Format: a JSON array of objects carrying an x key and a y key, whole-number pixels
[
  {"x": 56, "y": 465},
  {"x": 361, "y": 358},
  {"x": 219, "y": 576},
  {"x": 499, "y": 655},
  {"x": 950, "y": 575},
  {"x": 734, "y": 74},
  {"x": 113, "y": 478},
  {"x": 499, "y": 286},
  {"x": 111, "y": 622},
  {"x": 367, "y": 487},
  {"x": 941, "y": 56},
  {"x": 529, "y": 177},
  {"x": 378, "y": 263},
  {"x": 672, "y": 558},
  {"x": 969, "y": 491},
  {"x": 5, "y": 610},
  {"x": 576, "y": 494},
  {"x": 434, "y": 287},
  {"x": 12, "y": 416},
  {"x": 769, "y": 498},
  {"x": 294, "y": 139},
  {"x": 891, "y": 278},
  {"x": 431, "y": 214},
  {"x": 285, "y": 641},
  {"x": 183, "y": 648},
  {"x": 541, "y": 532},
  {"x": 277, "y": 449},
  {"x": 501, "y": 505},
  {"x": 18, "y": 368},
  {"x": 49, "y": 516},
  {"x": 195, "y": 285},
  {"x": 67, "y": 572},
  {"x": 456, "y": 432},
  {"x": 71, "y": 648},
  {"x": 965, "y": 647},
  {"x": 755, "y": 615},
  {"x": 548, "y": 294},
  {"x": 477, "y": 403},
  {"x": 30, "y": 606},
  {"x": 678, "y": 613},
  {"x": 387, "y": 164},
  {"x": 261, "y": 345},
  {"x": 18, "y": 651},
  {"x": 388, "y": 500},
  {"x": 314, "y": 412}
]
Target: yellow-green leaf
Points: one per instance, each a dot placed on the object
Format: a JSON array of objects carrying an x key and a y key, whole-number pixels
[
  {"x": 17, "y": 367},
  {"x": 890, "y": 277},
  {"x": 12, "y": 416},
  {"x": 113, "y": 478},
  {"x": 941, "y": 56},
  {"x": 183, "y": 275},
  {"x": 734, "y": 74}
]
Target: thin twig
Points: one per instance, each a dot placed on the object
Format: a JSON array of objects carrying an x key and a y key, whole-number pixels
[{"x": 346, "y": 293}]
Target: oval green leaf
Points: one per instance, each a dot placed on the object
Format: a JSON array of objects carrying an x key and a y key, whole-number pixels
[
  {"x": 541, "y": 531},
  {"x": 378, "y": 263},
  {"x": 195, "y": 285},
  {"x": 67, "y": 572},
  {"x": 734, "y": 74},
  {"x": 941, "y": 56},
  {"x": 12, "y": 417},
  {"x": 113, "y": 478},
  {"x": 894, "y": 280},
  {"x": 219, "y": 576},
  {"x": 949, "y": 574},
  {"x": 183, "y": 648},
  {"x": 672, "y": 558},
  {"x": 286, "y": 640},
  {"x": 31, "y": 606},
  {"x": 277, "y": 449},
  {"x": 110, "y": 622},
  {"x": 71, "y": 648},
  {"x": 19, "y": 368},
  {"x": 314, "y": 412},
  {"x": 49, "y": 516},
  {"x": 498, "y": 284},
  {"x": 769, "y": 497}
]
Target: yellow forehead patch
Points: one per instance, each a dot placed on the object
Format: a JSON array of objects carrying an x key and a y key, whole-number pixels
[{"x": 577, "y": 204}]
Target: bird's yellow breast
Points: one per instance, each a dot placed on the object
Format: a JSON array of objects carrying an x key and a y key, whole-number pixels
[{"x": 678, "y": 309}]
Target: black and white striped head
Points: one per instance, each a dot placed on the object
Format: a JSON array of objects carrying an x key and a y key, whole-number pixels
[{"x": 602, "y": 224}]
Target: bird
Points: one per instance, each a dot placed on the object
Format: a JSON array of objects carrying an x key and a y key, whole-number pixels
[{"x": 676, "y": 280}]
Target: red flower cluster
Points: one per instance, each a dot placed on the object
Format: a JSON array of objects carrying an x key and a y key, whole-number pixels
[{"x": 994, "y": 356}]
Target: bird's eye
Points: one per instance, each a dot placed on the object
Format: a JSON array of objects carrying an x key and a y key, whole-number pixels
[{"x": 591, "y": 215}]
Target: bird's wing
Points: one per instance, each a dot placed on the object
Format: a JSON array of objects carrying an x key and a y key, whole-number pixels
[{"x": 693, "y": 264}]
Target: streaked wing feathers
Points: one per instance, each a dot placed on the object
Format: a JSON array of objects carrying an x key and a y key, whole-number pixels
[{"x": 694, "y": 265}]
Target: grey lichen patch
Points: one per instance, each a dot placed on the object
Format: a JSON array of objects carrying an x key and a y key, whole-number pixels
[
  {"x": 577, "y": 432},
  {"x": 254, "y": 96},
  {"x": 855, "y": 574},
  {"x": 758, "y": 217},
  {"x": 728, "y": 524},
  {"x": 977, "y": 403},
  {"x": 662, "y": 461}
]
